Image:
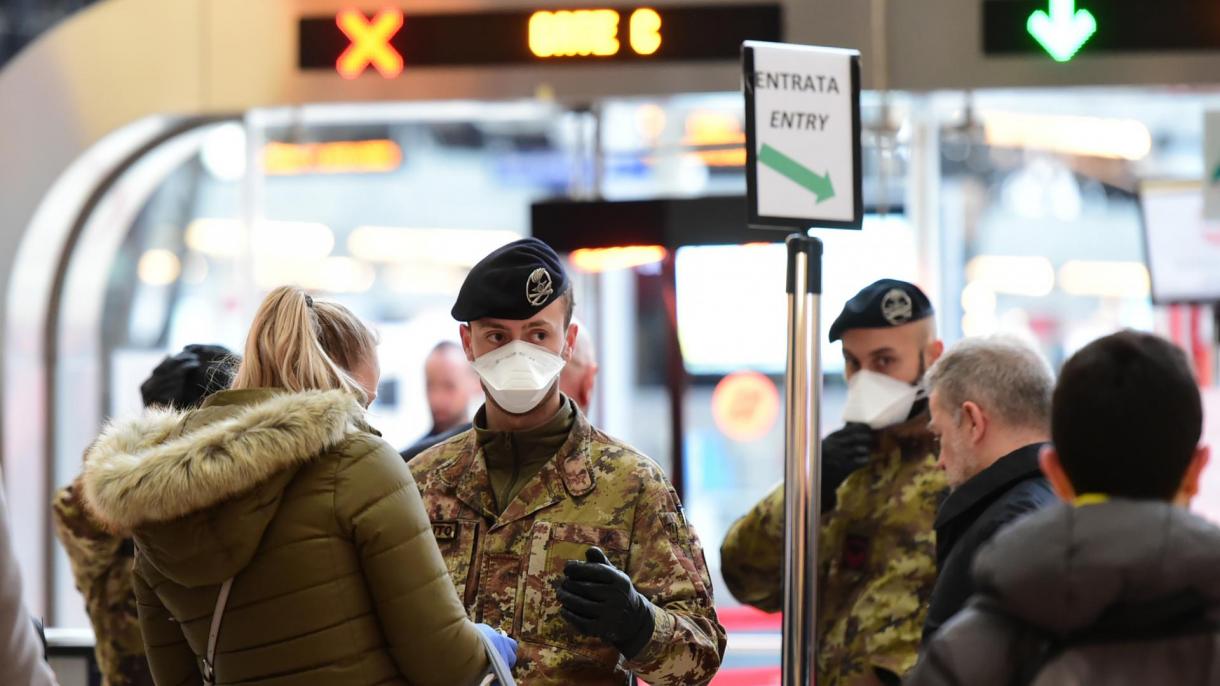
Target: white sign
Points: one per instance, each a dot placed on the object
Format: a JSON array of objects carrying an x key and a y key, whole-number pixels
[
  {"x": 803, "y": 135},
  {"x": 1211, "y": 166},
  {"x": 1182, "y": 247}
]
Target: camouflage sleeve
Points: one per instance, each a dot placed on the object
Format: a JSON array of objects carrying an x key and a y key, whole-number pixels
[
  {"x": 92, "y": 551},
  {"x": 667, "y": 565},
  {"x": 169, "y": 656},
  {"x": 892, "y": 608},
  {"x": 752, "y": 555},
  {"x": 101, "y": 568}
]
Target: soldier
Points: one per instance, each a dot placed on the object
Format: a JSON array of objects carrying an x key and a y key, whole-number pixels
[
  {"x": 880, "y": 493},
  {"x": 101, "y": 561},
  {"x": 569, "y": 540}
]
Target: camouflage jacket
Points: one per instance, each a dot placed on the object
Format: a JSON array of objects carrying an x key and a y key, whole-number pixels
[
  {"x": 101, "y": 565},
  {"x": 876, "y": 557},
  {"x": 595, "y": 491}
]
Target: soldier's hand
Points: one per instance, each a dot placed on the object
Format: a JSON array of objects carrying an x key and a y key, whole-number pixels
[
  {"x": 843, "y": 452},
  {"x": 599, "y": 600}
]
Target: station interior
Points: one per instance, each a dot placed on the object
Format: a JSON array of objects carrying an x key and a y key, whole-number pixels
[{"x": 164, "y": 165}]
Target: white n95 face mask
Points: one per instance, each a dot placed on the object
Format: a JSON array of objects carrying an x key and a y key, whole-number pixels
[
  {"x": 878, "y": 400},
  {"x": 518, "y": 375}
]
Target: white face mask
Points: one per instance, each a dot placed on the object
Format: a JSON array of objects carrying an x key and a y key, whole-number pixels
[
  {"x": 518, "y": 375},
  {"x": 879, "y": 400}
]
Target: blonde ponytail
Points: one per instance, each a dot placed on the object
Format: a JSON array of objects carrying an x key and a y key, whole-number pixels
[{"x": 299, "y": 344}]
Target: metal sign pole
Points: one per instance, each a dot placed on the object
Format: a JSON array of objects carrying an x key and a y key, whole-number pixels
[
  {"x": 798, "y": 177},
  {"x": 813, "y": 296},
  {"x": 802, "y": 471},
  {"x": 797, "y": 490}
]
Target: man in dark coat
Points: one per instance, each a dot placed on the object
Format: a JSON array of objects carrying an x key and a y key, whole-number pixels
[
  {"x": 452, "y": 388},
  {"x": 1117, "y": 585},
  {"x": 991, "y": 414}
]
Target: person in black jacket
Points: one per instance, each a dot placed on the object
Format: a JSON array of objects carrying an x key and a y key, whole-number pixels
[
  {"x": 453, "y": 388},
  {"x": 990, "y": 401},
  {"x": 1118, "y": 584}
]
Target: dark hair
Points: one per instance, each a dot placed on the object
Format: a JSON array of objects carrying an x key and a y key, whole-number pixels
[
  {"x": 445, "y": 346},
  {"x": 1126, "y": 417},
  {"x": 570, "y": 307},
  {"x": 184, "y": 380}
]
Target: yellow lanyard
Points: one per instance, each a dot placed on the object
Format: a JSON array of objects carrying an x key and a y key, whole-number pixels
[{"x": 1090, "y": 499}]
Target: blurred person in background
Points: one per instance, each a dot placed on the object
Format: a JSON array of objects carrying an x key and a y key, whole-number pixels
[
  {"x": 453, "y": 389},
  {"x": 880, "y": 489},
  {"x": 21, "y": 655},
  {"x": 990, "y": 403},
  {"x": 579, "y": 375},
  {"x": 564, "y": 537},
  {"x": 279, "y": 540},
  {"x": 1118, "y": 584},
  {"x": 100, "y": 560}
]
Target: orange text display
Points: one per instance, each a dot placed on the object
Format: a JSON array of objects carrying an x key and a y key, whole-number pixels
[
  {"x": 379, "y": 42},
  {"x": 592, "y": 33}
]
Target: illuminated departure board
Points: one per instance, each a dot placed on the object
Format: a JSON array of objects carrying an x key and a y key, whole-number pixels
[{"x": 391, "y": 40}]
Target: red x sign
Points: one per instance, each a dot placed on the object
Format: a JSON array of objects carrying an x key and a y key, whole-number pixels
[{"x": 370, "y": 43}]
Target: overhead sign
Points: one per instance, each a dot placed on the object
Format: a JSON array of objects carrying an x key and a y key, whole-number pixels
[
  {"x": 1211, "y": 166},
  {"x": 354, "y": 43},
  {"x": 1063, "y": 29},
  {"x": 802, "y": 136}
]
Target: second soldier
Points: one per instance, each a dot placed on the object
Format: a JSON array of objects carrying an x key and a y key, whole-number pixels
[{"x": 880, "y": 492}]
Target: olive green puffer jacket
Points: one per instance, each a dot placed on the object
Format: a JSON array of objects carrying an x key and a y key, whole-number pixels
[{"x": 337, "y": 578}]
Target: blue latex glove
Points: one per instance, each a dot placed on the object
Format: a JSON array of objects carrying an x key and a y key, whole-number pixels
[{"x": 504, "y": 645}]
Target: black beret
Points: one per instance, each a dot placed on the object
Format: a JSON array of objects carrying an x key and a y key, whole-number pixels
[
  {"x": 184, "y": 380},
  {"x": 515, "y": 282},
  {"x": 880, "y": 305}
]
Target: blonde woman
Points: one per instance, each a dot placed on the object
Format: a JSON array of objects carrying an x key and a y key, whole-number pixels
[{"x": 279, "y": 539}]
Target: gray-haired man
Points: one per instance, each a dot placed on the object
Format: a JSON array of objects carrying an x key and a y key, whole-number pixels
[{"x": 990, "y": 400}]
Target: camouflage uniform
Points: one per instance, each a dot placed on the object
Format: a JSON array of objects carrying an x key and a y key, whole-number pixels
[
  {"x": 596, "y": 491},
  {"x": 876, "y": 557},
  {"x": 101, "y": 565}
]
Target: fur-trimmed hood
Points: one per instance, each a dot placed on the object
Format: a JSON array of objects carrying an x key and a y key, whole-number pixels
[{"x": 201, "y": 486}]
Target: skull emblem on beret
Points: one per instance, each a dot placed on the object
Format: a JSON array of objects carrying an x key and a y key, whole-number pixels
[
  {"x": 896, "y": 307},
  {"x": 538, "y": 288}
]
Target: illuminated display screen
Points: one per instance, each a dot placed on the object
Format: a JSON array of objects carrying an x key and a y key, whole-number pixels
[
  {"x": 711, "y": 343},
  {"x": 334, "y": 157},
  {"x": 1062, "y": 27},
  {"x": 391, "y": 40}
]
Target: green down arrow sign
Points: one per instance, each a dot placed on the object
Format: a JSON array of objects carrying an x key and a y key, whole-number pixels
[
  {"x": 818, "y": 184},
  {"x": 1062, "y": 31}
]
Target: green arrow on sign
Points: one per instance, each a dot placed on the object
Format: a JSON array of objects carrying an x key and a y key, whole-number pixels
[
  {"x": 818, "y": 184},
  {"x": 1064, "y": 30}
]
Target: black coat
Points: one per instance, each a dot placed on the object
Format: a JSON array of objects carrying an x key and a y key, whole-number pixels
[
  {"x": 971, "y": 515},
  {"x": 1123, "y": 593}
]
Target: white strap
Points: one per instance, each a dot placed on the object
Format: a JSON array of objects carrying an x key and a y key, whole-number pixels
[
  {"x": 209, "y": 660},
  {"x": 500, "y": 671}
]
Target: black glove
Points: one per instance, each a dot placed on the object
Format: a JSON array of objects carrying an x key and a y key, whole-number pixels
[
  {"x": 601, "y": 601},
  {"x": 843, "y": 452}
]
